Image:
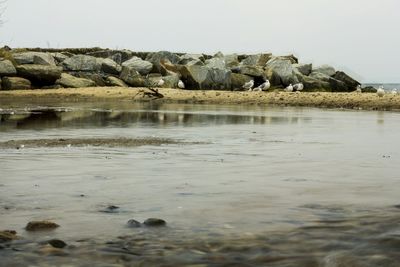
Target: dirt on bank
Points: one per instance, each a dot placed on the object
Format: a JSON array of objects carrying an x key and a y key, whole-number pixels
[{"x": 366, "y": 101}]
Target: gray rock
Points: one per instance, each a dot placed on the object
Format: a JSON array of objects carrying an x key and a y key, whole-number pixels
[
  {"x": 97, "y": 78},
  {"x": 133, "y": 224},
  {"x": 110, "y": 66},
  {"x": 325, "y": 69},
  {"x": 257, "y": 59},
  {"x": 319, "y": 76},
  {"x": 254, "y": 71},
  {"x": 14, "y": 83},
  {"x": 114, "y": 81},
  {"x": 57, "y": 243},
  {"x": 311, "y": 84},
  {"x": 216, "y": 63},
  {"x": 231, "y": 60},
  {"x": 60, "y": 57},
  {"x": 39, "y": 58},
  {"x": 369, "y": 89},
  {"x": 171, "y": 81},
  {"x": 304, "y": 69},
  {"x": 338, "y": 86},
  {"x": 131, "y": 77},
  {"x": 154, "y": 222},
  {"x": 186, "y": 58},
  {"x": 82, "y": 63},
  {"x": 238, "y": 80},
  {"x": 195, "y": 62},
  {"x": 118, "y": 56},
  {"x": 142, "y": 66},
  {"x": 280, "y": 72},
  {"x": 219, "y": 54},
  {"x": 350, "y": 82},
  {"x": 202, "y": 77},
  {"x": 7, "y": 68},
  {"x": 156, "y": 58},
  {"x": 70, "y": 81},
  {"x": 40, "y": 74}
]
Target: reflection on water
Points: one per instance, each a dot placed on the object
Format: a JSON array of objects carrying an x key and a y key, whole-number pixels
[{"x": 254, "y": 186}]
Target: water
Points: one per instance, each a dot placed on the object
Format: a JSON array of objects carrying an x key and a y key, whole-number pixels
[
  {"x": 387, "y": 86},
  {"x": 249, "y": 184}
]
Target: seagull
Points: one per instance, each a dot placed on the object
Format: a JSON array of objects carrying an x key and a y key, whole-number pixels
[
  {"x": 264, "y": 86},
  {"x": 298, "y": 87},
  {"x": 358, "y": 90},
  {"x": 248, "y": 85},
  {"x": 289, "y": 88},
  {"x": 160, "y": 83},
  {"x": 257, "y": 89},
  {"x": 181, "y": 85},
  {"x": 380, "y": 92},
  {"x": 394, "y": 91}
]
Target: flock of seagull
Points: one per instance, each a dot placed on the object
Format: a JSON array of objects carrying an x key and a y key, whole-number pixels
[{"x": 298, "y": 87}]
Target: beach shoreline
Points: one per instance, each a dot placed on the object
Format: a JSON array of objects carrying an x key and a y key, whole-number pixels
[{"x": 359, "y": 101}]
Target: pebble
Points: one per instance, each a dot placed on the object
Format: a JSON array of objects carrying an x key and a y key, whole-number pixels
[
  {"x": 40, "y": 225},
  {"x": 154, "y": 222}
]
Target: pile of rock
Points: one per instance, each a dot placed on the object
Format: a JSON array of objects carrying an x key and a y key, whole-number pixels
[{"x": 74, "y": 68}]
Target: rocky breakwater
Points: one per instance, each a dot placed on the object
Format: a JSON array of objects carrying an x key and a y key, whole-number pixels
[{"x": 75, "y": 68}]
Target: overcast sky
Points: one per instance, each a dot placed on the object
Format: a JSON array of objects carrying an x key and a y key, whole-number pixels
[{"x": 358, "y": 36}]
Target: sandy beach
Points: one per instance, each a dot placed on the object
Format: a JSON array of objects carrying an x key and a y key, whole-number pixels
[{"x": 364, "y": 101}]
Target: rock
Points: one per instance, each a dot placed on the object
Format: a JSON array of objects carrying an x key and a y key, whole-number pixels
[
  {"x": 41, "y": 225},
  {"x": 253, "y": 71},
  {"x": 291, "y": 58},
  {"x": 110, "y": 209},
  {"x": 312, "y": 84},
  {"x": 15, "y": 83},
  {"x": 325, "y": 69},
  {"x": 171, "y": 81},
  {"x": 231, "y": 60},
  {"x": 82, "y": 63},
  {"x": 70, "y": 81},
  {"x": 39, "y": 58},
  {"x": 238, "y": 80},
  {"x": 40, "y": 74},
  {"x": 369, "y": 89},
  {"x": 7, "y": 68},
  {"x": 114, "y": 81},
  {"x": 110, "y": 66},
  {"x": 131, "y": 77},
  {"x": 219, "y": 54},
  {"x": 118, "y": 56},
  {"x": 57, "y": 243},
  {"x": 133, "y": 224},
  {"x": 96, "y": 77},
  {"x": 350, "y": 82},
  {"x": 60, "y": 57},
  {"x": 186, "y": 58},
  {"x": 195, "y": 62},
  {"x": 304, "y": 69},
  {"x": 202, "y": 77},
  {"x": 7, "y": 235},
  {"x": 142, "y": 66},
  {"x": 155, "y": 59},
  {"x": 320, "y": 76},
  {"x": 54, "y": 86},
  {"x": 338, "y": 86},
  {"x": 154, "y": 222},
  {"x": 280, "y": 72},
  {"x": 216, "y": 63},
  {"x": 257, "y": 59}
]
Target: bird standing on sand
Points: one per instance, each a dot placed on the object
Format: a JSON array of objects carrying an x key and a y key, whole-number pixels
[
  {"x": 181, "y": 85},
  {"x": 160, "y": 83},
  {"x": 289, "y": 88},
  {"x": 249, "y": 85},
  {"x": 264, "y": 86},
  {"x": 298, "y": 87},
  {"x": 394, "y": 91},
  {"x": 380, "y": 92}
]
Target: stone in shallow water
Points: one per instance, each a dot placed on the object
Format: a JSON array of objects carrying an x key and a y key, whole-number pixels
[
  {"x": 57, "y": 243},
  {"x": 41, "y": 225},
  {"x": 154, "y": 222},
  {"x": 111, "y": 209},
  {"x": 7, "y": 235},
  {"x": 134, "y": 224}
]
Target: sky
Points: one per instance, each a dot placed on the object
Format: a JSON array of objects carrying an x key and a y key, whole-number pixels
[{"x": 361, "y": 37}]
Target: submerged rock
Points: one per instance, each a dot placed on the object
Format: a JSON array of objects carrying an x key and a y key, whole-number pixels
[
  {"x": 133, "y": 224},
  {"x": 57, "y": 243},
  {"x": 154, "y": 222},
  {"x": 7, "y": 235},
  {"x": 41, "y": 225}
]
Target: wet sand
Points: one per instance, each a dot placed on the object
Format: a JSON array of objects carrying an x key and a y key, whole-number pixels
[{"x": 365, "y": 101}]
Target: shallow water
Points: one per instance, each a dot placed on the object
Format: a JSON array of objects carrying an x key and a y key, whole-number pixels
[{"x": 245, "y": 172}]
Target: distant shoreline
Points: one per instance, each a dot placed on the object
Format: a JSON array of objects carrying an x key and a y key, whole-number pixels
[{"x": 358, "y": 101}]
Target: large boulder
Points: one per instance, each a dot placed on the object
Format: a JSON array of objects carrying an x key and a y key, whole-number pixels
[
  {"x": 110, "y": 66},
  {"x": 15, "y": 83},
  {"x": 60, "y": 56},
  {"x": 70, "y": 81},
  {"x": 325, "y": 69},
  {"x": 114, "y": 81},
  {"x": 254, "y": 71},
  {"x": 156, "y": 58},
  {"x": 142, "y": 66},
  {"x": 7, "y": 68},
  {"x": 238, "y": 80},
  {"x": 38, "y": 58},
  {"x": 216, "y": 63},
  {"x": 186, "y": 58},
  {"x": 203, "y": 77},
  {"x": 312, "y": 84},
  {"x": 257, "y": 59},
  {"x": 334, "y": 84},
  {"x": 304, "y": 69},
  {"x": 350, "y": 82},
  {"x": 280, "y": 71},
  {"x": 40, "y": 74},
  {"x": 231, "y": 60},
  {"x": 82, "y": 63},
  {"x": 132, "y": 77},
  {"x": 118, "y": 56},
  {"x": 95, "y": 77}
]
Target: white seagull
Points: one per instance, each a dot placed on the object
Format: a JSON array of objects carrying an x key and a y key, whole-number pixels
[
  {"x": 380, "y": 92},
  {"x": 160, "y": 83},
  {"x": 394, "y": 91},
  {"x": 181, "y": 85},
  {"x": 264, "y": 86},
  {"x": 289, "y": 88},
  {"x": 249, "y": 85},
  {"x": 298, "y": 87}
]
